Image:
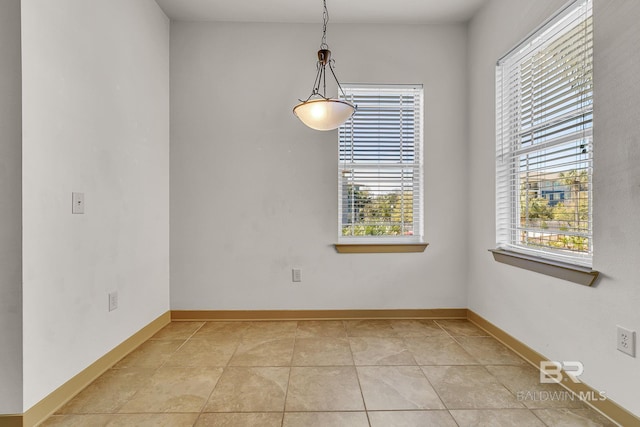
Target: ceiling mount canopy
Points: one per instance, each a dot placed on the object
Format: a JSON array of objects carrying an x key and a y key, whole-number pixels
[{"x": 318, "y": 111}]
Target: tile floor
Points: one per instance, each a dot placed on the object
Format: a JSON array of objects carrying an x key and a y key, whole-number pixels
[{"x": 377, "y": 373}]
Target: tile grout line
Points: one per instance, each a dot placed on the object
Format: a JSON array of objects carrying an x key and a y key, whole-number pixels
[
  {"x": 536, "y": 415},
  {"x": 286, "y": 392},
  {"x": 455, "y": 338},
  {"x": 438, "y": 394},
  {"x": 224, "y": 369},
  {"x": 155, "y": 370},
  {"x": 355, "y": 368}
]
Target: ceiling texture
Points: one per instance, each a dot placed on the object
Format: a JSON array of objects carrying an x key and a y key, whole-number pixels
[{"x": 310, "y": 11}]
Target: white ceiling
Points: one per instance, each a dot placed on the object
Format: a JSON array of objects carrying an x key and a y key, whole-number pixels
[{"x": 310, "y": 11}]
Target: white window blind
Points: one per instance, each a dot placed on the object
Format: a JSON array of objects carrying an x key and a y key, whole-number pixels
[
  {"x": 544, "y": 112},
  {"x": 380, "y": 165}
]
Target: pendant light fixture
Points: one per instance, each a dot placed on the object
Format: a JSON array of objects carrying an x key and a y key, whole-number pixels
[{"x": 318, "y": 111}]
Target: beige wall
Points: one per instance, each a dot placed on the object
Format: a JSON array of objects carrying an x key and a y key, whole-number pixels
[
  {"x": 559, "y": 319},
  {"x": 95, "y": 120},
  {"x": 254, "y": 192}
]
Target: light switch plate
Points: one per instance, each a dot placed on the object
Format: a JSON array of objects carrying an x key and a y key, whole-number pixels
[{"x": 77, "y": 200}]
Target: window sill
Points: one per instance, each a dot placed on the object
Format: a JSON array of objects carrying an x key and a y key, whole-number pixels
[
  {"x": 379, "y": 248},
  {"x": 573, "y": 273}
]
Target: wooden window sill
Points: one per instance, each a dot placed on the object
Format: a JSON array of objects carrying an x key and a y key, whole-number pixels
[
  {"x": 573, "y": 273},
  {"x": 379, "y": 248}
]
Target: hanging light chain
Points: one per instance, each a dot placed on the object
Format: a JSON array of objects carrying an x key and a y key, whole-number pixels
[
  {"x": 325, "y": 21},
  {"x": 321, "y": 74}
]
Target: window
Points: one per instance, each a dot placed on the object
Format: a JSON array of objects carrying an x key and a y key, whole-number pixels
[
  {"x": 380, "y": 166},
  {"x": 544, "y": 112}
]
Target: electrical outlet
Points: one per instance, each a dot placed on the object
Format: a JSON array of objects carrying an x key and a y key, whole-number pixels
[
  {"x": 77, "y": 200},
  {"x": 296, "y": 275},
  {"x": 113, "y": 301},
  {"x": 627, "y": 341}
]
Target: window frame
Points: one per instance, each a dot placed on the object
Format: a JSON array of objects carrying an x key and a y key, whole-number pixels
[
  {"x": 385, "y": 243},
  {"x": 509, "y": 143}
]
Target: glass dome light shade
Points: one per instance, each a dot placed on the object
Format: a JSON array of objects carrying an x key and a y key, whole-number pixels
[{"x": 324, "y": 114}]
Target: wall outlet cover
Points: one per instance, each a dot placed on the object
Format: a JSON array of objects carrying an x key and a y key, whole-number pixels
[
  {"x": 626, "y": 341},
  {"x": 77, "y": 200},
  {"x": 113, "y": 301}
]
